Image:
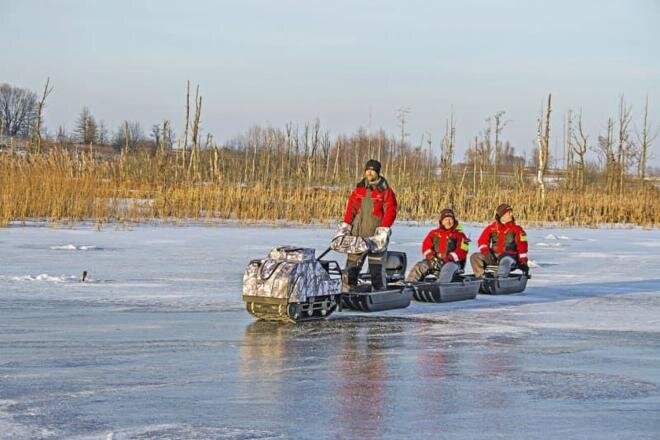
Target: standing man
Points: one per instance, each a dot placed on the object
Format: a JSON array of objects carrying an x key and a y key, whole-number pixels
[
  {"x": 502, "y": 243},
  {"x": 372, "y": 205}
]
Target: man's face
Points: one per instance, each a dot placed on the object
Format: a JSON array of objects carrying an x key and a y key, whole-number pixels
[
  {"x": 507, "y": 217},
  {"x": 447, "y": 222},
  {"x": 370, "y": 175}
]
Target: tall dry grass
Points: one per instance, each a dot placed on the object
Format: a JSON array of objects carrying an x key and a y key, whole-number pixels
[{"x": 270, "y": 175}]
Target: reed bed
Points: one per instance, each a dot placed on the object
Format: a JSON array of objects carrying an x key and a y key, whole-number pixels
[{"x": 262, "y": 181}]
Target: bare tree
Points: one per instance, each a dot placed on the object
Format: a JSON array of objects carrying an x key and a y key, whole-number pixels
[
  {"x": 86, "y": 128},
  {"x": 129, "y": 136},
  {"x": 155, "y": 134},
  {"x": 17, "y": 110},
  {"x": 185, "y": 132},
  {"x": 36, "y": 134},
  {"x": 543, "y": 141},
  {"x": 645, "y": 139},
  {"x": 448, "y": 147},
  {"x": 402, "y": 115},
  {"x": 580, "y": 149},
  {"x": 167, "y": 135},
  {"x": 625, "y": 146},
  {"x": 102, "y": 134},
  {"x": 62, "y": 137},
  {"x": 499, "y": 126},
  {"x": 198, "y": 115},
  {"x": 606, "y": 150},
  {"x": 568, "y": 149}
]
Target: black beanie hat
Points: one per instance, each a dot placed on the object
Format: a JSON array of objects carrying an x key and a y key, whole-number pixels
[
  {"x": 447, "y": 213},
  {"x": 501, "y": 210},
  {"x": 372, "y": 164}
]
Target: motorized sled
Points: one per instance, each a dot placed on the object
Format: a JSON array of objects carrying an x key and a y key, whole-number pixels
[
  {"x": 515, "y": 282},
  {"x": 291, "y": 285}
]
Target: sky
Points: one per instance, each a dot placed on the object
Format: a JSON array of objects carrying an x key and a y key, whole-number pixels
[{"x": 350, "y": 63}]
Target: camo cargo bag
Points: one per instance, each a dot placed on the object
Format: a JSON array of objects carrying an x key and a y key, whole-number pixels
[{"x": 290, "y": 273}]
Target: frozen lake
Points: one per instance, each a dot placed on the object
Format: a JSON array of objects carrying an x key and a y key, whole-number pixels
[{"x": 158, "y": 344}]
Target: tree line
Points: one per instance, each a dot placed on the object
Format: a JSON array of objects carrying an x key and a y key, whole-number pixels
[{"x": 613, "y": 158}]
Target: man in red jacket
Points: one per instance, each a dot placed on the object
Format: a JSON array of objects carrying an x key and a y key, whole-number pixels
[
  {"x": 502, "y": 243},
  {"x": 372, "y": 205},
  {"x": 445, "y": 250}
]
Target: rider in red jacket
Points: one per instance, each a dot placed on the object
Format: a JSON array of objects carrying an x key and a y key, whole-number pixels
[
  {"x": 371, "y": 205},
  {"x": 502, "y": 243},
  {"x": 445, "y": 250}
]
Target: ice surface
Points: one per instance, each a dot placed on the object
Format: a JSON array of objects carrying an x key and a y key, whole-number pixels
[{"x": 157, "y": 344}]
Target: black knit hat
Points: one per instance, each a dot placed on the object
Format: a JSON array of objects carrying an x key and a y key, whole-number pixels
[
  {"x": 372, "y": 164},
  {"x": 501, "y": 210},
  {"x": 447, "y": 213}
]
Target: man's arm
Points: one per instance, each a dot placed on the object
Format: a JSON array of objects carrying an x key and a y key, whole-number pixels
[
  {"x": 427, "y": 246},
  {"x": 389, "y": 208},
  {"x": 462, "y": 247},
  {"x": 484, "y": 240},
  {"x": 521, "y": 245},
  {"x": 351, "y": 208}
]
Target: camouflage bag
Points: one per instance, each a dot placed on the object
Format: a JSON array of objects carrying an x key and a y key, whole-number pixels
[
  {"x": 348, "y": 244},
  {"x": 290, "y": 273}
]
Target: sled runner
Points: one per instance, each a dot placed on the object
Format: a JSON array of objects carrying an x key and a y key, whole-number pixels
[
  {"x": 462, "y": 287},
  {"x": 492, "y": 284},
  {"x": 397, "y": 295}
]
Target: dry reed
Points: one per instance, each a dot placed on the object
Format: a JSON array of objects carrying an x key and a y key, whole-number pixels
[{"x": 271, "y": 176}]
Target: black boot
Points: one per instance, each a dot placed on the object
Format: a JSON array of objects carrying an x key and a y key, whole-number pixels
[
  {"x": 378, "y": 279},
  {"x": 349, "y": 278}
]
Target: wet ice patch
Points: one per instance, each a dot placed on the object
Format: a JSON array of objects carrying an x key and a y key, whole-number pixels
[
  {"x": 650, "y": 244},
  {"x": 174, "y": 431},
  {"x": 592, "y": 255},
  {"x": 42, "y": 278},
  {"x": 557, "y": 237},
  {"x": 583, "y": 386},
  {"x": 73, "y": 247},
  {"x": 11, "y": 428}
]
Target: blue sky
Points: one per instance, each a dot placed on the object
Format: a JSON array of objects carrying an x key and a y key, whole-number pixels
[{"x": 260, "y": 62}]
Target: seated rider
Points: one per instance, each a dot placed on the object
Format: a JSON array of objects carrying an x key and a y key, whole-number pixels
[
  {"x": 502, "y": 243},
  {"x": 445, "y": 250}
]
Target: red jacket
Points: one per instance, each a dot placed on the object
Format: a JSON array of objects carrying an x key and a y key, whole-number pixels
[
  {"x": 504, "y": 239},
  {"x": 448, "y": 244},
  {"x": 383, "y": 198}
]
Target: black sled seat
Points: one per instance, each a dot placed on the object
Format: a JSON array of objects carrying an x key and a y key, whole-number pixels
[
  {"x": 494, "y": 285},
  {"x": 462, "y": 288},
  {"x": 397, "y": 295}
]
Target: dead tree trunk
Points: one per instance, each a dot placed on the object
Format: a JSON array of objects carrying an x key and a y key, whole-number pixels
[
  {"x": 645, "y": 140},
  {"x": 40, "y": 108},
  {"x": 543, "y": 140},
  {"x": 624, "y": 145},
  {"x": 185, "y": 131},
  {"x": 580, "y": 149}
]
